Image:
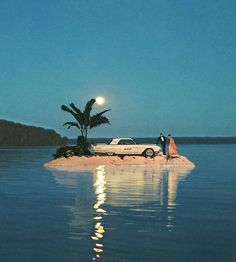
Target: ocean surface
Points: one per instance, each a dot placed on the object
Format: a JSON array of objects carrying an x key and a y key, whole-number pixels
[{"x": 118, "y": 213}]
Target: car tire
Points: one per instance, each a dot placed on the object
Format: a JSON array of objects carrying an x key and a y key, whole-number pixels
[
  {"x": 149, "y": 152},
  {"x": 110, "y": 153}
]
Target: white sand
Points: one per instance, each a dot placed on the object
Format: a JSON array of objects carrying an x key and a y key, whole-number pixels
[{"x": 160, "y": 160}]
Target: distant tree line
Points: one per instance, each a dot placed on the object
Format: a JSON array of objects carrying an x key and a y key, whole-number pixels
[
  {"x": 206, "y": 140},
  {"x": 15, "y": 134}
]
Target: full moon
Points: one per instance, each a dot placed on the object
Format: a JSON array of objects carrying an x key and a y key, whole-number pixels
[{"x": 100, "y": 100}]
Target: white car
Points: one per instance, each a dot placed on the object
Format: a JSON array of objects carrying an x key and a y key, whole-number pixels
[{"x": 125, "y": 146}]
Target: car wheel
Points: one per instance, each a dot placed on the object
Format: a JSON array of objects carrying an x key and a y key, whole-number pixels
[
  {"x": 149, "y": 152},
  {"x": 110, "y": 153}
]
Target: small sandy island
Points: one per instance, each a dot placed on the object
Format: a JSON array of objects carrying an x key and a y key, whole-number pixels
[{"x": 159, "y": 160}]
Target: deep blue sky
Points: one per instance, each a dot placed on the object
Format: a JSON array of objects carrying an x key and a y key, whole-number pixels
[{"x": 162, "y": 65}]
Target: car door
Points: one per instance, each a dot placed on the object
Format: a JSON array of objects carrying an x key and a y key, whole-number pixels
[{"x": 126, "y": 147}]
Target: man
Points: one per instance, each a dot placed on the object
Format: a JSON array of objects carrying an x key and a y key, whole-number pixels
[{"x": 161, "y": 139}]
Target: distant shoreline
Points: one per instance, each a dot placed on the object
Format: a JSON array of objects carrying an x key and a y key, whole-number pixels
[
  {"x": 16, "y": 134},
  {"x": 179, "y": 140}
]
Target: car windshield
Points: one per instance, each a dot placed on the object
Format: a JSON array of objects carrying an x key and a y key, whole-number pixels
[{"x": 109, "y": 142}]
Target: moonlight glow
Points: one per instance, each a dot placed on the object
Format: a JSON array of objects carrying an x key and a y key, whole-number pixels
[{"x": 100, "y": 100}]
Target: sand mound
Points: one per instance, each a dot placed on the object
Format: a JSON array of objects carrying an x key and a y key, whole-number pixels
[{"x": 159, "y": 160}]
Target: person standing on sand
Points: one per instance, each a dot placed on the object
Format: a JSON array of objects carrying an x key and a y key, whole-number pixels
[
  {"x": 162, "y": 139},
  {"x": 172, "y": 146}
]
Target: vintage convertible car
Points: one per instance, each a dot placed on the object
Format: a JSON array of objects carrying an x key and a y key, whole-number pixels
[{"x": 125, "y": 146}]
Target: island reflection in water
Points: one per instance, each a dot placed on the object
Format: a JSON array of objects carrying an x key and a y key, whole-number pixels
[{"x": 100, "y": 190}]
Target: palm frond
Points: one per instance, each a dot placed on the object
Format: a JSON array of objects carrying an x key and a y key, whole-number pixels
[
  {"x": 79, "y": 113},
  {"x": 97, "y": 120},
  {"x": 70, "y": 124},
  {"x": 74, "y": 114},
  {"x": 87, "y": 111},
  {"x": 103, "y": 112},
  {"x": 67, "y": 109},
  {"x": 84, "y": 118}
]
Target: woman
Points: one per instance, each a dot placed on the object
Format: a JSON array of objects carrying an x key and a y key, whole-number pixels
[{"x": 172, "y": 146}]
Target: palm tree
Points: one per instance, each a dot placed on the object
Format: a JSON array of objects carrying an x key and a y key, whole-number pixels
[{"x": 85, "y": 121}]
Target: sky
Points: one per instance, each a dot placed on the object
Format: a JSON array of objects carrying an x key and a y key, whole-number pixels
[{"x": 163, "y": 66}]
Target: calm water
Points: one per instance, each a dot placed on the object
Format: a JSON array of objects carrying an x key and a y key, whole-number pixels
[{"x": 118, "y": 214}]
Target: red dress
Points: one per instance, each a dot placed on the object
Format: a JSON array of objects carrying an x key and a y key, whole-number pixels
[{"x": 172, "y": 147}]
